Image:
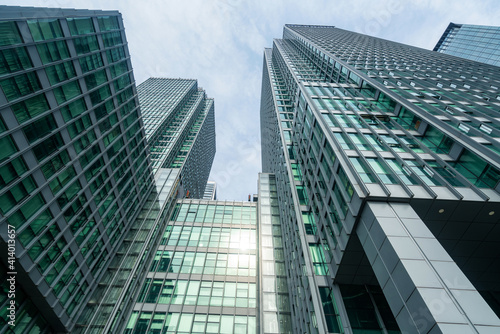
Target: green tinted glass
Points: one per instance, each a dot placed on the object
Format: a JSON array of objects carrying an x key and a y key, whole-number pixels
[
  {"x": 12, "y": 60},
  {"x": 9, "y": 34},
  {"x": 80, "y": 25},
  {"x": 44, "y": 29}
]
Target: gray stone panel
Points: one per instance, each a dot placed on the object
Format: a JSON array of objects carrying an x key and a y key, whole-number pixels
[{"x": 426, "y": 290}]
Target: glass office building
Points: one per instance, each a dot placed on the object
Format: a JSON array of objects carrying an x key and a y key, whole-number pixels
[
  {"x": 387, "y": 168},
  {"x": 474, "y": 42},
  {"x": 179, "y": 121},
  {"x": 74, "y": 165},
  {"x": 87, "y": 181},
  {"x": 203, "y": 278}
]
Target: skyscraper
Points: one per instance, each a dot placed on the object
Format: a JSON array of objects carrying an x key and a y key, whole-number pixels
[
  {"x": 74, "y": 162},
  {"x": 387, "y": 170},
  {"x": 86, "y": 185},
  {"x": 179, "y": 121},
  {"x": 474, "y": 42},
  {"x": 203, "y": 278},
  {"x": 180, "y": 131}
]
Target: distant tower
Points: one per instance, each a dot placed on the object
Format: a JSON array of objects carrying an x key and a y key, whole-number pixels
[
  {"x": 387, "y": 167},
  {"x": 179, "y": 121},
  {"x": 473, "y": 42}
]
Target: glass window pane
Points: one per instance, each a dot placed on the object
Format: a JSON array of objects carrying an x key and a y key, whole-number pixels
[
  {"x": 60, "y": 72},
  {"x": 8, "y": 147},
  {"x": 9, "y": 34},
  {"x": 44, "y": 29},
  {"x": 86, "y": 44},
  {"x": 20, "y": 85},
  {"x": 12, "y": 60},
  {"x": 53, "y": 51},
  {"x": 108, "y": 23},
  {"x": 80, "y": 25}
]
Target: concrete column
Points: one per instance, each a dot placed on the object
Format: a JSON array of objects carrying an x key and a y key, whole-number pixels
[{"x": 426, "y": 290}]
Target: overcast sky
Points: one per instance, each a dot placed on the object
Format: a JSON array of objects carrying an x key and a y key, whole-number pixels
[{"x": 221, "y": 42}]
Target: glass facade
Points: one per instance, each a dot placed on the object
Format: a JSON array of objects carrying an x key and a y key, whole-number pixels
[
  {"x": 210, "y": 190},
  {"x": 348, "y": 120},
  {"x": 176, "y": 114},
  {"x": 378, "y": 198},
  {"x": 73, "y": 157},
  {"x": 473, "y": 42},
  {"x": 274, "y": 305},
  {"x": 203, "y": 277}
]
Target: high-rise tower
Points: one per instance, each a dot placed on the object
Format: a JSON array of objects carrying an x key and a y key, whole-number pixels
[
  {"x": 474, "y": 42},
  {"x": 85, "y": 184},
  {"x": 387, "y": 167},
  {"x": 74, "y": 163},
  {"x": 180, "y": 132},
  {"x": 179, "y": 121}
]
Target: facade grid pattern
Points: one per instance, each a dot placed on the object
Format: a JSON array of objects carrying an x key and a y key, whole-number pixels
[{"x": 347, "y": 119}]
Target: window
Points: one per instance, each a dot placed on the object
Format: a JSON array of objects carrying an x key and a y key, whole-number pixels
[
  {"x": 67, "y": 91},
  {"x": 95, "y": 79},
  {"x": 100, "y": 95},
  {"x": 343, "y": 140},
  {"x": 80, "y": 25},
  {"x": 16, "y": 194},
  {"x": 79, "y": 126},
  {"x": 55, "y": 164},
  {"x": 20, "y": 85},
  {"x": 35, "y": 227},
  {"x": 86, "y": 44},
  {"x": 30, "y": 108},
  {"x": 383, "y": 173},
  {"x": 8, "y": 147},
  {"x": 346, "y": 183},
  {"x": 360, "y": 309},
  {"x": 91, "y": 62},
  {"x": 9, "y": 34},
  {"x": 112, "y": 39},
  {"x": 309, "y": 224},
  {"x": 53, "y": 51},
  {"x": 44, "y": 29},
  {"x": 301, "y": 191},
  {"x": 40, "y": 128},
  {"x": 104, "y": 109},
  {"x": 408, "y": 120},
  {"x": 359, "y": 141},
  {"x": 28, "y": 209},
  {"x": 107, "y": 23},
  {"x": 318, "y": 259},
  {"x": 297, "y": 174},
  {"x": 477, "y": 170},
  {"x": 12, "y": 171},
  {"x": 62, "y": 179},
  {"x": 340, "y": 200},
  {"x": 402, "y": 173},
  {"x": 115, "y": 54},
  {"x": 330, "y": 309},
  {"x": 437, "y": 141},
  {"x": 446, "y": 173},
  {"x": 89, "y": 155},
  {"x": 48, "y": 146},
  {"x": 12, "y": 60},
  {"x": 60, "y": 72},
  {"x": 73, "y": 109},
  {"x": 121, "y": 82}
]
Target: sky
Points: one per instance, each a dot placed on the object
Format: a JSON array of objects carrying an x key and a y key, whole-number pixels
[{"x": 220, "y": 43}]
